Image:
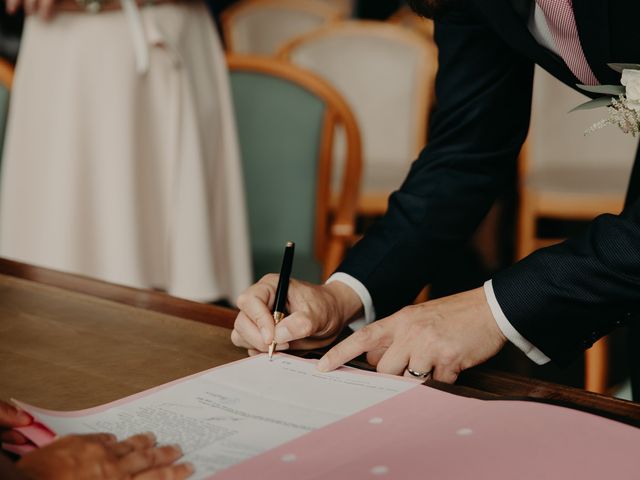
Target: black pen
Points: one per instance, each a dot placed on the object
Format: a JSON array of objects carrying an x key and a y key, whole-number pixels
[{"x": 282, "y": 289}]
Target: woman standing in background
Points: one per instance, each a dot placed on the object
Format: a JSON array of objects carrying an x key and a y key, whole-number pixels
[{"x": 121, "y": 159}]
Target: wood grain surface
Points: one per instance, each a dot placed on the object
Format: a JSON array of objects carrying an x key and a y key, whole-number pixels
[{"x": 65, "y": 350}]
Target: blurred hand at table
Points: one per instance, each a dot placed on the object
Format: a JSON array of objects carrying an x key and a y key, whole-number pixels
[
  {"x": 317, "y": 314},
  {"x": 92, "y": 457},
  {"x": 101, "y": 457},
  {"x": 11, "y": 417},
  {"x": 43, "y": 8},
  {"x": 440, "y": 337}
]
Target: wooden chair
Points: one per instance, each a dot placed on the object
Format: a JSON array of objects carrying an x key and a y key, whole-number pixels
[
  {"x": 567, "y": 176},
  {"x": 261, "y": 27},
  {"x": 286, "y": 119},
  {"x": 6, "y": 79},
  {"x": 408, "y": 18},
  {"x": 386, "y": 73}
]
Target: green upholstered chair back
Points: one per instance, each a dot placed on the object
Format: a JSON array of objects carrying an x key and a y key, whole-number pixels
[
  {"x": 4, "y": 110},
  {"x": 280, "y": 128},
  {"x": 286, "y": 117}
]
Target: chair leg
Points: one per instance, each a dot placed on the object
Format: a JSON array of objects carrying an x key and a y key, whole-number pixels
[
  {"x": 526, "y": 225},
  {"x": 423, "y": 296},
  {"x": 335, "y": 253},
  {"x": 596, "y": 363}
]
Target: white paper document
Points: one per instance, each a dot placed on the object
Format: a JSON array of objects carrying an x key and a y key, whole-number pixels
[{"x": 231, "y": 413}]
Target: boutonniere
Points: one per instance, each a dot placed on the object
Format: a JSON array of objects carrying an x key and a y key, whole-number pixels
[{"x": 622, "y": 101}]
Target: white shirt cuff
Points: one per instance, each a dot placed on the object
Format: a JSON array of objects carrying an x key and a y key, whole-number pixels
[
  {"x": 509, "y": 331},
  {"x": 362, "y": 292}
]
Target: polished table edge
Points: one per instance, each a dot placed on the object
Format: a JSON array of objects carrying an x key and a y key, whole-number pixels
[
  {"x": 145, "y": 299},
  {"x": 510, "y": 386},
  {"x": 478, "y": 382}
]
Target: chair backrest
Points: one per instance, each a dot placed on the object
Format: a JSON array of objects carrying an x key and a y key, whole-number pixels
[
  {"x": 261, "y": 27},
  {"x": 6, "y": 78},
  {"x": 408, "y": 18},
  {"x": 557, "y": 137},
  {"x": 285, "y": 118},
  {"x": 386, "y": 74}
]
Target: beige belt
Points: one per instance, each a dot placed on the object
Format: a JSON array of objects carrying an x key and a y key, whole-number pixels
[{"x": 131, "y": 10}]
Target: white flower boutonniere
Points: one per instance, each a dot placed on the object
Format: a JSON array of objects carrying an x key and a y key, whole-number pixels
[{"x": 622, "y": 101}]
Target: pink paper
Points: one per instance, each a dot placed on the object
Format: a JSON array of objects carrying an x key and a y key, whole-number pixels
[
  {"x": 18, "y": 449},
  {"x": 37, "y": 433},
  {"x": 427, "y": 434}
]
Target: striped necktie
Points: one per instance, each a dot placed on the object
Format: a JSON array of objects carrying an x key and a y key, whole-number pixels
[{"x": 562, "y": 24}]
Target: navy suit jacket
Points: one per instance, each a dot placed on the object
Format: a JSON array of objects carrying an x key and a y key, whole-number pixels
[{"x": 561, "y": 298}]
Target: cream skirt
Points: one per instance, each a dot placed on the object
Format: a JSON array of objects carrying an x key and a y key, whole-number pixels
[{"x": 121, "y": 171}]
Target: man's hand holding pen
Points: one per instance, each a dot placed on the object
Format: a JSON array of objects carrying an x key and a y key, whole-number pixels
[{"x": 318, "y": 315}]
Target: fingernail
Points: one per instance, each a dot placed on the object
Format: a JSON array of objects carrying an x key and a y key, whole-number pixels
[
  {"x": 189, "y": 467},
  {"x": 178, "y": 449},
  {"x": 265, "y": 335},
  {"x": 151, "y": 436},
  {"x": 282, "y": 346},
  {"x": 283, "y": 335},
  {"x": 323, "y": 365}
]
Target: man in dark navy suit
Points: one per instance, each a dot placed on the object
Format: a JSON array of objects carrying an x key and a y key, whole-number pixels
[{"x": 554, "y": 303}]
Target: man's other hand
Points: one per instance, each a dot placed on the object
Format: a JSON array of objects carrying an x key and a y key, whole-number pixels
[{"x": 443, "y": 336}]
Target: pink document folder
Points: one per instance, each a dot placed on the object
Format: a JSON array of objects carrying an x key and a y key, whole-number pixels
[
  {"x": 424, "y": 433},
  {"x": 429, "y": 434}
]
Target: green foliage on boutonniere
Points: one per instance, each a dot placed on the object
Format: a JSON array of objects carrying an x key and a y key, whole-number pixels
[{"x": 622, "y": 101}]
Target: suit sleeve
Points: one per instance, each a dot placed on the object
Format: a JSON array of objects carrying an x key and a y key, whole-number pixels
[
  {"x": 565, "y": 297},
  {"x": 483, "y": 91}
]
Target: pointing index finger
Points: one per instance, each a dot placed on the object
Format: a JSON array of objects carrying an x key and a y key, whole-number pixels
[{"x": 363, "y": 340}]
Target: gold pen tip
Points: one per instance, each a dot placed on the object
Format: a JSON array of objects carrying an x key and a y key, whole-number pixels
[
  {"x": 271, "y": 349},
  {"x": 289, "y": 244}
]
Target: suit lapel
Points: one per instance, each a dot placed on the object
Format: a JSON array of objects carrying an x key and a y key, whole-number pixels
[
  {"x": 592, "y": 20},
  {"x": 510, "y": 20}
]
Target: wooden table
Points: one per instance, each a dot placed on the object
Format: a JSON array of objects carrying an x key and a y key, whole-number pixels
[{"x": 68, "y": 342}]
